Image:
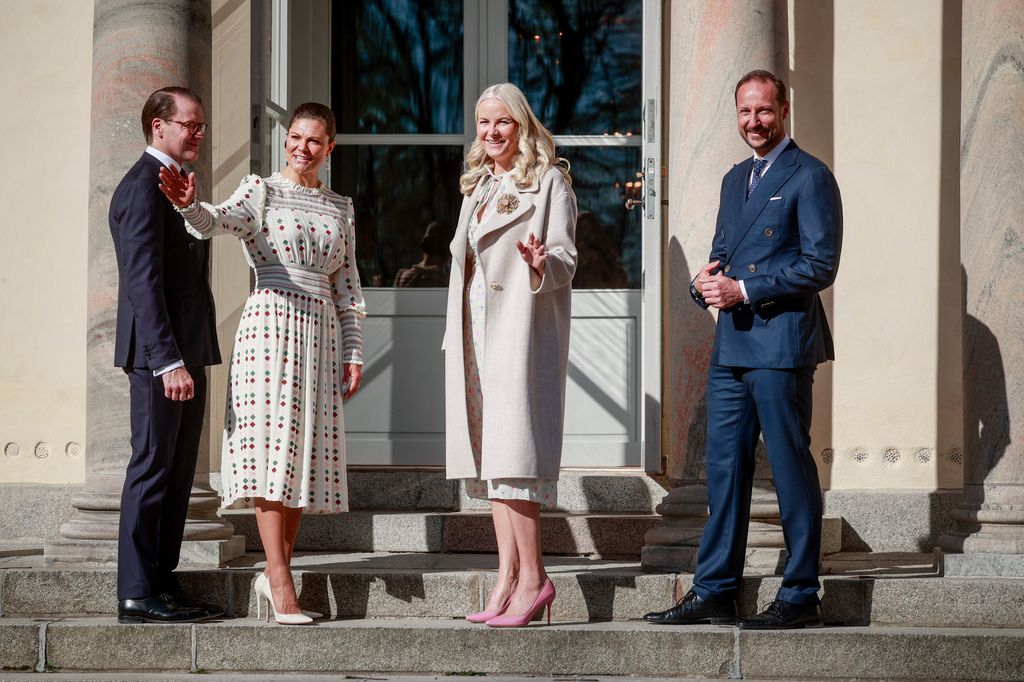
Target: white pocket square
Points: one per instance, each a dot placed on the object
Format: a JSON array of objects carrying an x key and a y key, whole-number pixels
[{"x": 775, "y": 199}]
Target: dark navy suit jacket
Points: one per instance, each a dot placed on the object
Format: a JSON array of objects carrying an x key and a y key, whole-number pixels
[
  {"x": 164, "y": 304},
  {"x": 784, "y": 243}
]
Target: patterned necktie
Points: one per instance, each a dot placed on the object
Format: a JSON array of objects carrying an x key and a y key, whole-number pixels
[{"x": 755, "y": 177}]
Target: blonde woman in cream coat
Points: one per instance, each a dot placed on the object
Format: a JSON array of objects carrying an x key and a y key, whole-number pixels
[{"x": 507, "y": 340}]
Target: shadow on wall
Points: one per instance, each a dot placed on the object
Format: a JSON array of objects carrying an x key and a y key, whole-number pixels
[{"x": 986, "y": 416}]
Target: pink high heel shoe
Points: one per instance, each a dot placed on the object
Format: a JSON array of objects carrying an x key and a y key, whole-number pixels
[
  {"x": 545, "y": 598},
  {"x": 484, "y": 616}
]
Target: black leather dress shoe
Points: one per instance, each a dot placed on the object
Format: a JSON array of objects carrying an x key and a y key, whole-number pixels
[
  {"x": 785, "y": 615},
  {"x": 692, "y": 610},
  {"x": 156, "y": 610},
  {"x": 179, "y": 601}
]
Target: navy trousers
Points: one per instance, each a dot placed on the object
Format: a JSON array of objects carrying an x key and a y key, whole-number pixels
[
  {"x": 742, "y": 405},
  {"x": 157, "y": 484}
]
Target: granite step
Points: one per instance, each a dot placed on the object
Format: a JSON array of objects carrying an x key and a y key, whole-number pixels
[
  {"x": 903, "y": 591},
  {"x": 606, "y": 535},
  {"x": 579, "y": 490},
  {"x": 456, "y": 647}
]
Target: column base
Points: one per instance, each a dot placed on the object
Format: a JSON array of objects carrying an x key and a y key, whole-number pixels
[{"x": 194, "y": 553}]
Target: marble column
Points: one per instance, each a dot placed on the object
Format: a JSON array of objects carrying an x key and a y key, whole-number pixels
[
  {"x": 137, "y": 48},
  {"x": 712, "y": 44},
  {"x": 989, "y": 537}
]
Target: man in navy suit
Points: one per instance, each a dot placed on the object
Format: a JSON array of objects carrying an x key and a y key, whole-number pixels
[
  {"x": 776, "y": 247},
  {"x": 165, "y": 337}
]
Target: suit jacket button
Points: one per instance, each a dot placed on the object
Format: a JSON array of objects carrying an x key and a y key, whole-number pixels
[
  {"x": 768, "y": 232},
  {"x": 495, "y": 286},
  {"x": 191, "y": 245},
  {"x": 752, "y": 267},
  {"x": 728, "y": 267}
]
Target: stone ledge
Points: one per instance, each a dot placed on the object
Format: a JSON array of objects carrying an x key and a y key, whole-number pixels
[
  {"x": 382, "y": 586},
  {"x": 603, "y": 535},
  {"x": 982, "y": 564},
  {"x": 19, "y": 644},
  {"x": 874, "y": 652},
  {"x": 455, "y": 646},
  {"x": 34, "y": 512},
  {"x": 892, "y": 520}
]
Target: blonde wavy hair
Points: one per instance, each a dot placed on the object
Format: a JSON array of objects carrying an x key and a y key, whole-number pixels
[{"x": 536, "y": 153}]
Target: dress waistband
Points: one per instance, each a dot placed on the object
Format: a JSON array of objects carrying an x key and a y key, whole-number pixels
[{"x": 293, "y": 278}]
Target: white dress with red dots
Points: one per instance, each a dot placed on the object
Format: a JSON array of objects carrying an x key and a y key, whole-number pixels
[{"x": 284, "y": 429}]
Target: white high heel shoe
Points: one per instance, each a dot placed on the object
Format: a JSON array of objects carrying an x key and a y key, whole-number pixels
[
  {"x": 262, "y": 588},
  {"x": 258, "y": 587}
]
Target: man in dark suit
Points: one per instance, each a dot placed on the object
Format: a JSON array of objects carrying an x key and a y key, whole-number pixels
[
  {"x": 165, "y": 337},
  {"x": 776, "y": 246}
]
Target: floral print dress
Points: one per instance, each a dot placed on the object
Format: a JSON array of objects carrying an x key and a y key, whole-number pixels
[{"x": 284, "y": 428}]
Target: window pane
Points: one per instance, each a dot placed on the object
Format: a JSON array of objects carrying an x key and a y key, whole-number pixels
[
  {"x": 396, "y": 66},
  {"x": 579, "y": 63},
  {"x": 407, "y": 203},
  {"x": 607, "y": 235}
]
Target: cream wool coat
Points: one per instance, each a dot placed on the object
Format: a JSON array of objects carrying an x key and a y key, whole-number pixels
[{"x": 526, "y": 337}]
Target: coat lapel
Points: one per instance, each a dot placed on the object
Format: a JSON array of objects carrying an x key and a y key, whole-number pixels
[
  {"x": 518, "y": 199},
  {"x": 776, "y": 176}
]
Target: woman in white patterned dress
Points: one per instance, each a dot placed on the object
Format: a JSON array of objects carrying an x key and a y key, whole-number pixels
[
  {"x": 507, "y": 340},
  {"x": 298, "y": 350}
]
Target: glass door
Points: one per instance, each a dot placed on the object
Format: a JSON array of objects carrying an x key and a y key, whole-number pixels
[{"x": 404, "y": 78}]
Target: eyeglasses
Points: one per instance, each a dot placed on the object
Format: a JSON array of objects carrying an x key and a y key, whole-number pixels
[{"x": 192, "y": 128}]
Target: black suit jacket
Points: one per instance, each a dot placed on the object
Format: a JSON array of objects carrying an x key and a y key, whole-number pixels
[{"x": 164, "y": 304}]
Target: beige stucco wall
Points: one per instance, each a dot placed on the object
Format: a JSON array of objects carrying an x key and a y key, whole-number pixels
[
  {"x": 45, "y": 67},
  {"x": 891, "y": 402}
]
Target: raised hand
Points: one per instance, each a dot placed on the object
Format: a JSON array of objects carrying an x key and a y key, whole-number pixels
[
  {"x": 533, "y": 253},
  {"x": 179, "y": 191}
]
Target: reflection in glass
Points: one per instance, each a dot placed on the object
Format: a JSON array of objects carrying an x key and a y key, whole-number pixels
[
  {"x": 407, "y": 201},
  {"x": 579, "y": 63},
  {"x": 396, "y": 66},
  {"x": 608, "y": 240}
]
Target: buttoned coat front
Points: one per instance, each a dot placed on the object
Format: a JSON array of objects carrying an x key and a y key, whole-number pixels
[{"x": 526, "y": 335}]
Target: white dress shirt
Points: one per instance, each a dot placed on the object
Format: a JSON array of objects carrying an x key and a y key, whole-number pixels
[{"x": 770, "y": 157}]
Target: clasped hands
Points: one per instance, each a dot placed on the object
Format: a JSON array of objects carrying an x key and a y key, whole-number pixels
[{"x": 718, "y": 290}]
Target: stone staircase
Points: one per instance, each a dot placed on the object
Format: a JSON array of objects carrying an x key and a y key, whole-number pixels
[
  {"x": 601, "y": 514},
  {"x": 889, "y": 616}
]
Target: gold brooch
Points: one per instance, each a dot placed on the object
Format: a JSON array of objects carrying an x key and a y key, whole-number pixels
[{"x": 507, "y": 203}]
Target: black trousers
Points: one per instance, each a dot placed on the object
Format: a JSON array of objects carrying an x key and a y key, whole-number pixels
[{"x": 157, "y": 484}]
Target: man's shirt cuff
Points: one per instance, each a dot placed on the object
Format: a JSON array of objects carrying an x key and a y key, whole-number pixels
[{"x": 176, "y": 365}]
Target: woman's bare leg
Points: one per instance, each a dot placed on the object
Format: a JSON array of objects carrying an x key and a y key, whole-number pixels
[
  {"x": 270, "y": 519},
  {"x": 525, "y": 521},
  {"x": 508, "y": 556}
]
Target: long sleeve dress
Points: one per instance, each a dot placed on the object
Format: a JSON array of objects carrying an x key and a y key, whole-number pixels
[{"x": 284, "y": 429}]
